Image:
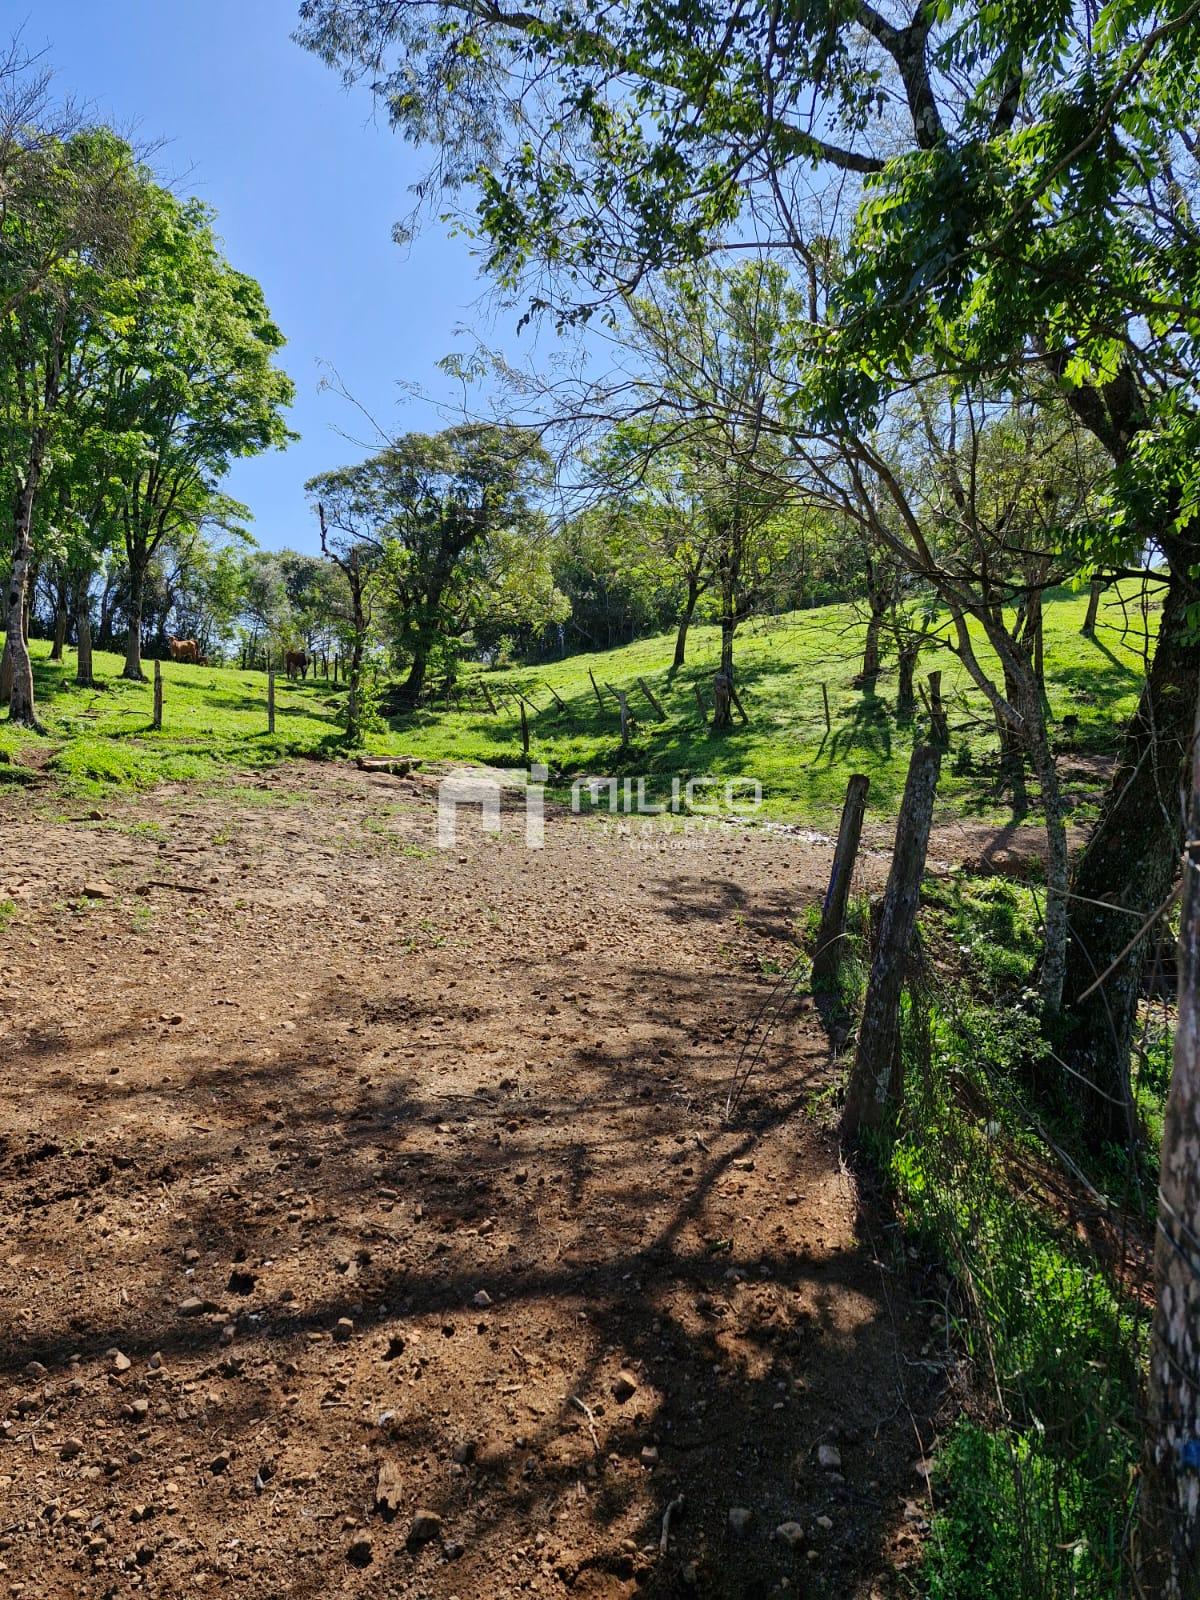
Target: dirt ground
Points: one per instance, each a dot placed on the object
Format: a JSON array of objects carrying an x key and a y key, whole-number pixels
[{"x": 372, "y": 1226}]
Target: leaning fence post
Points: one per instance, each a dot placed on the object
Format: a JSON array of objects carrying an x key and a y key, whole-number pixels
[
  {"x": 646, "y": 690},
  {"x": 271, "y": 701},
  {"x": 825, "y": 698},
  {"x": 158, "y": 694},
  {"x": 830, "y": 943},
  {"x": 874, "y": 1086},
  {"x": 596, "y": 687}
]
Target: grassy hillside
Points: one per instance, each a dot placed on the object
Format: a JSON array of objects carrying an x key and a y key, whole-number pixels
[{"x": 216, "y": 717}]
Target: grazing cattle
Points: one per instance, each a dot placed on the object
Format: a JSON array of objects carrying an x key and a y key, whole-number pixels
[
  {"x": 296, "y": 663},
  {"x": 186, "y": 650}
]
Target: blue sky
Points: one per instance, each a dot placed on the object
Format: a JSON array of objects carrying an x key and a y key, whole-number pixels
[{"x": 307, "y": 186}]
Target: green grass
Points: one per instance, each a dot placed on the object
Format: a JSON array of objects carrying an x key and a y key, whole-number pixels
[
  {"x": 782, "y": 663},
  {"x": 215, "y": 718},
  {"x": 1034, "y": 1482}
]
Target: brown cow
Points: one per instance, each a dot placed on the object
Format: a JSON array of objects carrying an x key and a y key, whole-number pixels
[
  {"x": 185, "y": 650},
  {"x": 296, "y": 663}
]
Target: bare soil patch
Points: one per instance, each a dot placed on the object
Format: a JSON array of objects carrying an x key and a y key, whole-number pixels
[{"x": 337, "y": 1169}]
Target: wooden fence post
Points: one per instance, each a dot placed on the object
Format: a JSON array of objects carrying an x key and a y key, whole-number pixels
[
  {"x": 1171, "y": 1457},
  {"x": 158, "y": 693},
  {"x": 623, "y": 702},
  {"x": 875, "y": 1083},
  {"x": 487, "y": 695},
  {"x": 595, "y": 686},
  {"x": 558, "y": 699},
  {"x": 271, "y": 701},
  {"x": 658, "y": 710},
  {"x": 524, "y": 730},
  {"x": 830, "y": 943},
  {"x": 701, "y": 702},
  {"x": 825, "y": 698}
]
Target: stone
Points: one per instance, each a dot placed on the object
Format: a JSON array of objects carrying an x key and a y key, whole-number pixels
[
  {"x": 791, "y": 1534},
  {"x": 194, "y": 1306},
  {"x": 625, "y": 1385},
  {"x": 343, "y": 1330},
  {"x": 35, "y": 1370},
  {"x": 121, "y": 1363},
  {"x": 649, "y": 1455},
  {"x": 361, "y": 1553},
  {"x": 825, "y": 1523},
  {"x": 241, "y": 1281},
  {"x": 426, "y": 1525},
  {"x": 740, "y": 1518},
  {"x": 70, "y": 1448},
  {"x": 218, "y": 1464},
  {"x": 483, "y": 1299},
  {"x": 97, "y": 889},
  {"x": 389, "y": 1488},
  {"x": 139, "y": 1410},
  {"x": 829, "y": 1457}
]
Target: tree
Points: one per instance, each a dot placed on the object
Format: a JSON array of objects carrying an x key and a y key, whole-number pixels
[
  {"x": 191, "y": 387},
  {"x": 707, "y": 375},
  {"x": 433, "y": 507},
  {"x": 69, "y": 214},
  {"x": 658, "y": 482},
  {"x": 359, "y": 561}
]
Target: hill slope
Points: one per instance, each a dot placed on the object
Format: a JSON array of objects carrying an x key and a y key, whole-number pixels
[{"x": 216, "y": 717}]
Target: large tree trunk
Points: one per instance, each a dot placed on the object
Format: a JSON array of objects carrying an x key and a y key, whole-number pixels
[
  {"x": 414, "y": 683},
  {"x": 1129, "y": 864},
  {"x": 1171, "y": 1489},
  {"x": 60, "y": 634},
  {"x": 19, "y": 671},
  {"x": 1097, "y": 588},
  {"x": 723, "y": 707},
  {"x": 909, "y": 654},
  {"x": 685, "y": 622},
  {"x": 83, "y": 666},
  {"x": 870, "y": 666},
  {"x": 133, "y": 645},
  {"x": 1056, "y": 935}
]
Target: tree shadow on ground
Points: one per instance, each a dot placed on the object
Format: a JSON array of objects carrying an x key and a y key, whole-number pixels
[{"x": 508, "y": 1219}]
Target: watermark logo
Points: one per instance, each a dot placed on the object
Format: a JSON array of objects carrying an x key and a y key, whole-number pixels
[
  {"x": 700, "y": 800},
  {"x": 467, "y": 789}
]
